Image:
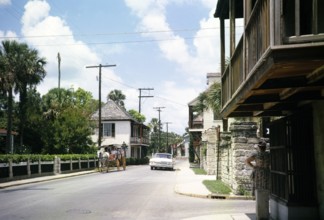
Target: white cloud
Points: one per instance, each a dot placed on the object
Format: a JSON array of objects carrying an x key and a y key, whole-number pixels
[
  {"x": 5, "y": 2},
  {"x": 75, "y": 55},
  {"x": 193, "y": 60},
  {"x": 204, "y": 57},
  {"x": 8, "y": 35}
]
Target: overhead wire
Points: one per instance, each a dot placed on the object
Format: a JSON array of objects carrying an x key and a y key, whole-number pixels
[
  {"x": 126, "y": 85},
  {"x": 123, "y": 42},
  {"x": 115, "y": 33}
]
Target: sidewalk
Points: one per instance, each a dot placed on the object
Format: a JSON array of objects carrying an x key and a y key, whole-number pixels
[
  {"x": 187, "y": 183},
  {"x": 190, "y": 184}
]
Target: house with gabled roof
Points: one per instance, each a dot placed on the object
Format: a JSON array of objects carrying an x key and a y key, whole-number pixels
[
  {"x": 200, "y": 122},
  {"x": 118, "y": 128}
]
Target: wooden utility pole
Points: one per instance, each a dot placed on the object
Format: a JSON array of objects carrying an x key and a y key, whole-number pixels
[
  {"x": 99, "y": 124},
  {"x": 159, "y": 110},
  {"x": 59, "y": 75},
  {"x": 167, "y": 124},
  {"x": 140, "y": 96}
]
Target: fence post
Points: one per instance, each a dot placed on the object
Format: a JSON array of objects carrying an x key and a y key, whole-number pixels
[
  {"x": 39, "y": 166},
  {"x": 79, "y": 163},
  {"x": 54, "y": 166},
  {"x": 10, "y": 169},
  {"x": 58, "y": 165},
  {"x": 71, "y": 165},
  {"x": 88, "y": 163},
  {"x": 28, "y": 168}
]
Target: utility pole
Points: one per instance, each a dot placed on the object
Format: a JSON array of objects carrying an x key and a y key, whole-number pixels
[
  {"x": 159, "y": 110},
  {"x": 167, "y": 124},
  {"x": 99, "y": 124},
  {"x": 59, "y": 75},
  {"x": 140, "y": 96}
]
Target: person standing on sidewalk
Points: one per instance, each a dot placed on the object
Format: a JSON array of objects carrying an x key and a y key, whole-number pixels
[{"x": 261, "y": 179}]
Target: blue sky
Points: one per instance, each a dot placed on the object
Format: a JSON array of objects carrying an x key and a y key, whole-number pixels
[{"x": 168, "y": 45}]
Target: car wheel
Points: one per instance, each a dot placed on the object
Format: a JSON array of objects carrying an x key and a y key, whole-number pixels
[{"x": 152, "y": 168}]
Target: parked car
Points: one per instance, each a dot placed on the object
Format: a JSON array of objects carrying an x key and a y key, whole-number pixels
[{"x": 162, "y": 161}]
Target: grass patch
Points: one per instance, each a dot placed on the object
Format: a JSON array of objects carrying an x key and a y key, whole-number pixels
[
  {"x": 199, "y": 171},
  {"x": 217, "y": 186}
]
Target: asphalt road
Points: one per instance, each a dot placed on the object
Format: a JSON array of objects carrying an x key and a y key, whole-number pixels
[{"x": 137, "y": 193}]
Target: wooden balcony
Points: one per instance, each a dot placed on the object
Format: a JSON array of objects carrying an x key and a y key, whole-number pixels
[
  {"x": 278, "y": 64},
  {"x": 139, "y": 141}
]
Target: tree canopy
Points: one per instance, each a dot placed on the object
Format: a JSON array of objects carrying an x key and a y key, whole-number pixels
[
  {"x": 117, "y": 96},
  {"x": 20, "y": 68},
  {"x": 137, "y": 116}
]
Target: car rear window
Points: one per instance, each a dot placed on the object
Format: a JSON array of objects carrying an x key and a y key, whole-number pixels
[{"x": 163, "y": 156}]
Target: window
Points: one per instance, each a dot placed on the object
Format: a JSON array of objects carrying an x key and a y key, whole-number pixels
[
  {"x": 303, "y": 17},
  {"x": 108, "y": 130}
]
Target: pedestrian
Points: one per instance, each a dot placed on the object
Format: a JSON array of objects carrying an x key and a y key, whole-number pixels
[
  {"x": 260, "y": 162},
  {"x": 261, "y": 167}
]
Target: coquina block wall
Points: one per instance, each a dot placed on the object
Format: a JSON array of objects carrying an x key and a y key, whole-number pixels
[
  {"x": 211, "y": 154},
  {"x": 226, "y": 154},
  {"x": 243, "y": 142}
]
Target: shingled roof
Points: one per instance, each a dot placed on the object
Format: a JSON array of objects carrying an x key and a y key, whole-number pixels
[{"x": 112, "y": 111}]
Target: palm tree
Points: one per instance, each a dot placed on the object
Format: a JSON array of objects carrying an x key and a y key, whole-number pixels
[
  {"x": 9, "y": 60},
  {"x": 211, "y": 98},
  {"x": 118, "y": 97},
  {"x": 30, "y": 74},
  {"x": 20, "y": 67}
]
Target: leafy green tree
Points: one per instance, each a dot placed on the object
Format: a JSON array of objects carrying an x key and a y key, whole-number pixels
[
  {"x": 20, "y": 67},
  {"x": 34, "y": 123},
  {"x": 169, "y": 138},
  {"x": 9, "y": 60},
  {"x": 211, "y": 98},
  {"x": 11, "y": 56},
  {"x": 154, "y": 125},
  {"x": 68, "y": 128},
  {"x": 84, "y": 100},
  {"x": 31, "y": 73},
  {"x": 118, "y": 97},
  {"x": 69, "y": 133},
  {"x": 136, "y": 115}
]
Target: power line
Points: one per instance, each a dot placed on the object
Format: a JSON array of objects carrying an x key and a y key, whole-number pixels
[
  {"x": 114, "y": 33},
  {"x": 123, "y": 42},
  {"x": 160, "y": 97}
]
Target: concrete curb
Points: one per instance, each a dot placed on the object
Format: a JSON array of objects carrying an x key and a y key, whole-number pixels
[
  {"x": 43, "y": 179},
  {"x": 212, "y": 195}
]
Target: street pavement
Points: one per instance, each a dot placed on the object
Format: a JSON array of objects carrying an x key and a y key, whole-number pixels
[{"x": 187, "y": 183}]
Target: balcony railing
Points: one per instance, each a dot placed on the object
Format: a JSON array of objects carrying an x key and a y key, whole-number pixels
[
  {"x": 245, "y": 57},
  {"x": 271, "y": 24},
  {"x": 139, "y": 140},
  {"x": 257, "y": 34}
]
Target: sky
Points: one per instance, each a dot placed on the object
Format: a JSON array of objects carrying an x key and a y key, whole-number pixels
[{"x": 165, "y": 45}]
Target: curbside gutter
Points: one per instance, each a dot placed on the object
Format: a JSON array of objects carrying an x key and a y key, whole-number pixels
[{"x": 180, "y": 190}]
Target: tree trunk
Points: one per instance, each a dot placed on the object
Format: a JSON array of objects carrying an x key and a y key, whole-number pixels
[
  {"x": 9, "y": 141},
  {"x": 22, "y": 114}
]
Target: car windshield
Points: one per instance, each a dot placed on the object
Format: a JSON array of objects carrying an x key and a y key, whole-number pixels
[{"x": 163, "y": 156}]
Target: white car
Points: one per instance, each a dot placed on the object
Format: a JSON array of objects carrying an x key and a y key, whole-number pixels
[{"x": 162, "y": 161}]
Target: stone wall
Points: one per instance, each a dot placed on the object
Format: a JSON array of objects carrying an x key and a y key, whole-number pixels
[
  {"x": 211, "y": 156},
  {"x": 226, "y": 154},
  {"x": 225, "y": 158},
  {"x": 243, "y": 138}
]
